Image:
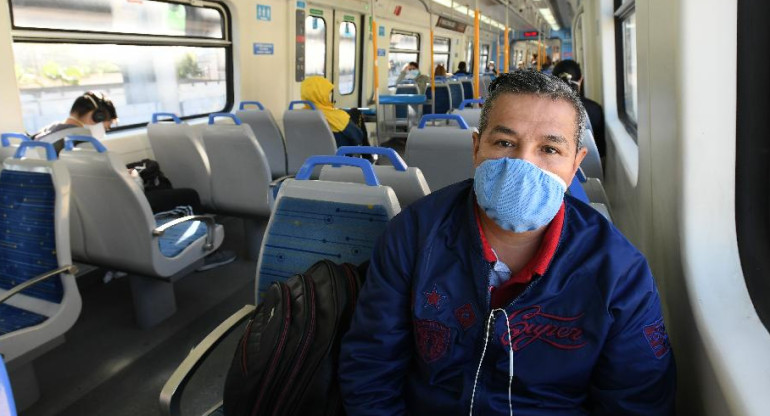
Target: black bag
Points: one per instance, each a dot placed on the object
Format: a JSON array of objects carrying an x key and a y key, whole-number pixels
[
  {"x": 151, "y": 175},
  {"x": 286, "y": 363}
]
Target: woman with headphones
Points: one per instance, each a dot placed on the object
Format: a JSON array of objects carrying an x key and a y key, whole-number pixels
[{"x": 92, "y": 114}]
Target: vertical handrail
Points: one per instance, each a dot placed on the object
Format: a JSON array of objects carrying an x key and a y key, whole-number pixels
[
  {"x": 375, "y": 66},
  {"x": 476, "y": 57},
  {"x": 432, "y": 63},
  {"x": 507, "y": 46}
]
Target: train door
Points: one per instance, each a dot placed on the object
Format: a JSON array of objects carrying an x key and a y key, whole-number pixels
[{"x": 332, "y": 50}]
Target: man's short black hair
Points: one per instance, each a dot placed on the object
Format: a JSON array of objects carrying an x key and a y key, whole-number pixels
[
  {"x": 414, "y": 64},
  {"x": 535, "y": 83},
  {"x": 93, "y": 101}
]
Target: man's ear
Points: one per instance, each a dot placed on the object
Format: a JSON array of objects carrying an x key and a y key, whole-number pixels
[
  {"x": 581, "y": 154},
  {"x": 476, "y": 145}
]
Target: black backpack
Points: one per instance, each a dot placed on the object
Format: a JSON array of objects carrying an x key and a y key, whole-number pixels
[
  {"x": 151, "y": 175},
  {"x": 286, "y": 362}
]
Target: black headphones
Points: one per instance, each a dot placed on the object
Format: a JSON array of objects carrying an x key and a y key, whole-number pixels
[{"x": 100, "y": 112}]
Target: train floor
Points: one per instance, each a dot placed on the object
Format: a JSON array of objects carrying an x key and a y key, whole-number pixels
[{"x": 108, "y": 366}]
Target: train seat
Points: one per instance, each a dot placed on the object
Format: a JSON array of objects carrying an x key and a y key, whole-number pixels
[
  {"x": 444, "y": 154},
  {"x": 468, "y": 113},
  {"x": 592, "y": 164},
  {"x": 107, "y": 202},
  {"x": 407, "y": 182},
  {"x": 484, "y": 81},
  {"x": 579, "y": 189},
  {"x": 402, "y": 110},
  {"x": 268, "y": 135},
  {"x": 467, "y": 84},
  {"x": 179, "y": 150},
  {"x": 456, "y": 93},
  {"x": 8, "y": 148},
  {"x": 443, "y": 101},
  {"x": 7, "y": 404},
  {"x": 307, "y": 134},
  {"x": 316, "y": 219},
  {"x": 39, "y": 299}
]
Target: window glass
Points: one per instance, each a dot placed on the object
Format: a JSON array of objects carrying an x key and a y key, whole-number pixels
[
  {"x": 629, "y": 67},
  {"x": 347, "y": 58},
  {"x": 484, "y": 57},
  {"x": 146, "y": 56},
  {"x": 140, "y": 80},
  {"x": 113, "y": 16},
  {"x": 441, "y": 52},
  {"x": 315, "y": 46},
  {"x": 404, "y": 48}
]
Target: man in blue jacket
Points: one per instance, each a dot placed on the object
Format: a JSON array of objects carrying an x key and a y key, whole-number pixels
[{"x": 501, "y": 295}]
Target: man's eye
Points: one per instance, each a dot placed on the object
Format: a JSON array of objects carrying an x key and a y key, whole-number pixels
[
  {"x": 550, "y": 150},
  {"x": 503, "y": 143}
]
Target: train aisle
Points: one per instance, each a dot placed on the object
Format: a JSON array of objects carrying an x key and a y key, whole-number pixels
[{"x": 108, "y": 366}]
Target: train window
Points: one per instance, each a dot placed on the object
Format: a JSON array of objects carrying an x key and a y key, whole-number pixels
[
  {"x": 404, "y": 48},
  {"x": 441, "y": 52},
  {"x": 146, "y": 56},
  {"x": 625, "y": 44},
  {"x": 484, "y": 57},
  {"x": 347, "y": 58},
  {"x": 315, "y": 46}
]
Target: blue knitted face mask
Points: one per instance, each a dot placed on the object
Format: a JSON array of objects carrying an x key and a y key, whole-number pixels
[{"x": 518, "y": 195}]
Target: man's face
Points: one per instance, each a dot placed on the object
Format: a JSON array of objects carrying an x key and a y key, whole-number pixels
[{"x": 536, "y": 129}]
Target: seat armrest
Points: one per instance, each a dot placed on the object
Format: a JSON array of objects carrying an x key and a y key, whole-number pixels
[
  {"x": 171, "y": 394},
  {"x": 207, "y": 219},
  {"x": 37, "y": 279}
]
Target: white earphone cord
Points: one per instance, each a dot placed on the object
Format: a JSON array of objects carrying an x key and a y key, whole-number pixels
[{"x": 484, "y": 352}]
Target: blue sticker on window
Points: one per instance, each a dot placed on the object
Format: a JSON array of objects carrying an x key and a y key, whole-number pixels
[
  {"x": 263, "y": 49},
  {"x": 380, "y": 52},
  {"x": 382, "y": 31},
  {"x": 263, "y": 12},
  {"x": 300, "y": 4}
]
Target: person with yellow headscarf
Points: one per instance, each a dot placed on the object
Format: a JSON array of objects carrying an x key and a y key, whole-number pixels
[{"x": 318, "y": 90}]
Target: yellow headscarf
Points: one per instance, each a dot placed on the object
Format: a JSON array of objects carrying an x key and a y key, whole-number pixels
[{"x": 317, "y": 89}]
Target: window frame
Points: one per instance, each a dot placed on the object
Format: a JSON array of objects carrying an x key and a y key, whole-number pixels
[
  {"x": 404, "y": 51},
  {"x": 326, "y": 44},
  {"x": 355, "y": 55},
  {"x": 623, "y": 9},
  {"x": 448, "y": 53},
  {"x": 22, "y": 34}
]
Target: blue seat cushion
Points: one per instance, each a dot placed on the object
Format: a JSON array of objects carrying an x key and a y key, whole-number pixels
[
  {"x": 178, "y": 237},
  {"x": 14, "y": 319},
  {"x": 27, "y": 233},
  {"x": 303, "y": 232}
]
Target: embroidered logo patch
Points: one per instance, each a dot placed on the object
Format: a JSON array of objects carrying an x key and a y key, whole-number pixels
[
  {"x": 657, "y": 338},
  {"x": 532, "y": 324},
  {"x": 465, "y": 316},
  {"x": 434, "y": 298},
  {"x": 432, "y": 339}
]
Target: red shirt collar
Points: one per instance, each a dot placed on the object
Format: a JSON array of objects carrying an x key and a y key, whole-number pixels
[{"x": 542, "y": 258}]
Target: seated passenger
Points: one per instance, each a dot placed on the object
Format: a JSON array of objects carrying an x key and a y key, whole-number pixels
[
  {"x": 412, "y": 71},
  {"x": 462, "y": 69},
  {"x": 569, "y": 72},
  {"x": 499, "y": 294},
  {"x": 318, "y": 90},
  {"x": 92, "y": 111},
  {"x": 440, "y": 71}
]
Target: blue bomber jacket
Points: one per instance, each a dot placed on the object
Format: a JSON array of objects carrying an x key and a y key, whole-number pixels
[{"x": 587, "y": 335}]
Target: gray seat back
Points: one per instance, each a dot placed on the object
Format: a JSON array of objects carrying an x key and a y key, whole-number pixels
[
  {"x": 317, "y": 219},
  {"x": 9, "y": 144},
  {"x": 470, "y": 114},
  {"x": 34, "y": 213},
  {"x": 592, "y": 164},
  {"x": 444, "y": 154},
  {"x": 179, "y": 150},
  {"x": 407, "y": 182},
  {"x": 115, "y": 219},
  {"x": 307, "y": 134},
  {"x": 268, "y": 135},
  {"x": 240, "y": 175}
]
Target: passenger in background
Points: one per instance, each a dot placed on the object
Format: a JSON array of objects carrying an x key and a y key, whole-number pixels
[
  {"x": 318, "y": 90},
  {"x": 491, "y": 68},
  {"x": 412, "y": 71},
  {"x": 92, "y": 114},
  {"x": 500, "y": 293},
  {"x": 462, "y": 69},
  {"x": 440, "y": 71},
  {"x": 569, "y": 72}
]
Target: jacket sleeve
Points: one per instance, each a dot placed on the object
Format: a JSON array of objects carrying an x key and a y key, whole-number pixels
[
  {"x": 377, "y": 350},
  {"x": 401, "y": 76},
  {"x": 635, "y": 374}
]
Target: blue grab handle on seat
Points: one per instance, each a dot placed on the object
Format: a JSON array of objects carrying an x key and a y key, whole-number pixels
[
  {"x": 467, "y": 101},
  {"x": 172, "y": 116},
  {"x": 391, "y": 154},
  {"x": 456, "y": 117},
  {"x": 577, "y": 191},
  {"x": 307, "y": 168},
  {"x": 50, "y": 152},
  {"x": 5, "y": 136},
  {"x": 402, "y": 99},
  {"x": 257, "y": 103},
  {"x": 69, "y": 143},
  {"x": 307, "y": 103},
  {"x": 235, "y": 118}
]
